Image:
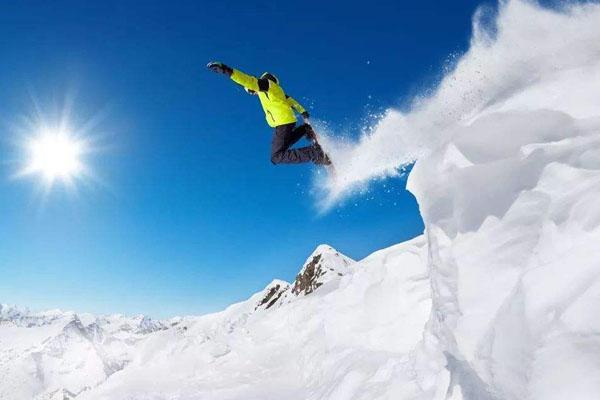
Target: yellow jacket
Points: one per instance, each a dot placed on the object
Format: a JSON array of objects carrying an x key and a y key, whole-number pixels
[{"x": 279, "y": 108}]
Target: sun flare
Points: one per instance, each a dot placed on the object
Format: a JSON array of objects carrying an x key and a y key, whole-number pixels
[
  {"x": 55, "y": 155},
  {"x": 56, "y": 149}
]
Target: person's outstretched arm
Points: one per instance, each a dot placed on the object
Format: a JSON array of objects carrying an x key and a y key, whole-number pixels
[
  {"x": 298, "y": 107},
  {"x": 247, "y": 81}
]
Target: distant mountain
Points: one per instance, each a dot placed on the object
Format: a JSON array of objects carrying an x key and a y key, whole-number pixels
[
  {"x": 62, "y": 355},
  {"x": 56, "y": 354},
  {"x": 324, "y": 265}
]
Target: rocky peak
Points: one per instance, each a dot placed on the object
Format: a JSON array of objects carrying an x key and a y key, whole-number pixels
[
  {"x": 272, "y": 293},
  {"x": 323, "y": 265}
]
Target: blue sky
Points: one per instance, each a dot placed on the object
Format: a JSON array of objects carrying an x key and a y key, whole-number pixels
[{"x": 189, "y": 214}]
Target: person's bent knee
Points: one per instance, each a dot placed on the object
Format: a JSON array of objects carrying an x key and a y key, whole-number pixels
[{"x": 276, "y": 158}]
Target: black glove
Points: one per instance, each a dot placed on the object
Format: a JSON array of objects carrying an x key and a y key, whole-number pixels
[
  {"x": 220, "y": 68},
  {"x": 305, "y": 115}
]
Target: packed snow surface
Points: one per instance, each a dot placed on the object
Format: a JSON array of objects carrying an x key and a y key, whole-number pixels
[{"x": 497, "y": 300}]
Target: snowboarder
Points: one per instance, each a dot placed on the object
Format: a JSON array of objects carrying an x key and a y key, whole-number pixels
[{"x": 279, "y": 112}]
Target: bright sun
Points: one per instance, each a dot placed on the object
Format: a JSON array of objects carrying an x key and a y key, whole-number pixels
[
  {"x": 55, "y": 155},
  {"x": 54, "y": 150}
]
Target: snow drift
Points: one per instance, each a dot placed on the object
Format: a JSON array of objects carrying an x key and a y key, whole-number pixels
[{"x": 497, "y": 300}]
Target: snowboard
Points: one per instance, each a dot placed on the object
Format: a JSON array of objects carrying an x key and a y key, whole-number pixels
[{"x": 330, "y": 168}]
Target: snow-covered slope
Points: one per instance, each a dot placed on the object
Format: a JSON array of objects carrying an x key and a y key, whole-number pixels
[
  {"x": 515, "y": 264},
  {"x": 350, "y": 335},
  {"x": 347, "y": 324}
]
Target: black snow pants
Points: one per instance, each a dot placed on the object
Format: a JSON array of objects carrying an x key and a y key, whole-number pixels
[{"x": 284, "y": 137}]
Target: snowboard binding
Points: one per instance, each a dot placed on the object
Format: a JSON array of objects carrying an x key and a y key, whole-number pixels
[{"x": 322, "y": 157}]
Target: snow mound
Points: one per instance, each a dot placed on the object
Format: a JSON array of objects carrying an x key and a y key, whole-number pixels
[{"x": 513, "y": 224}]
